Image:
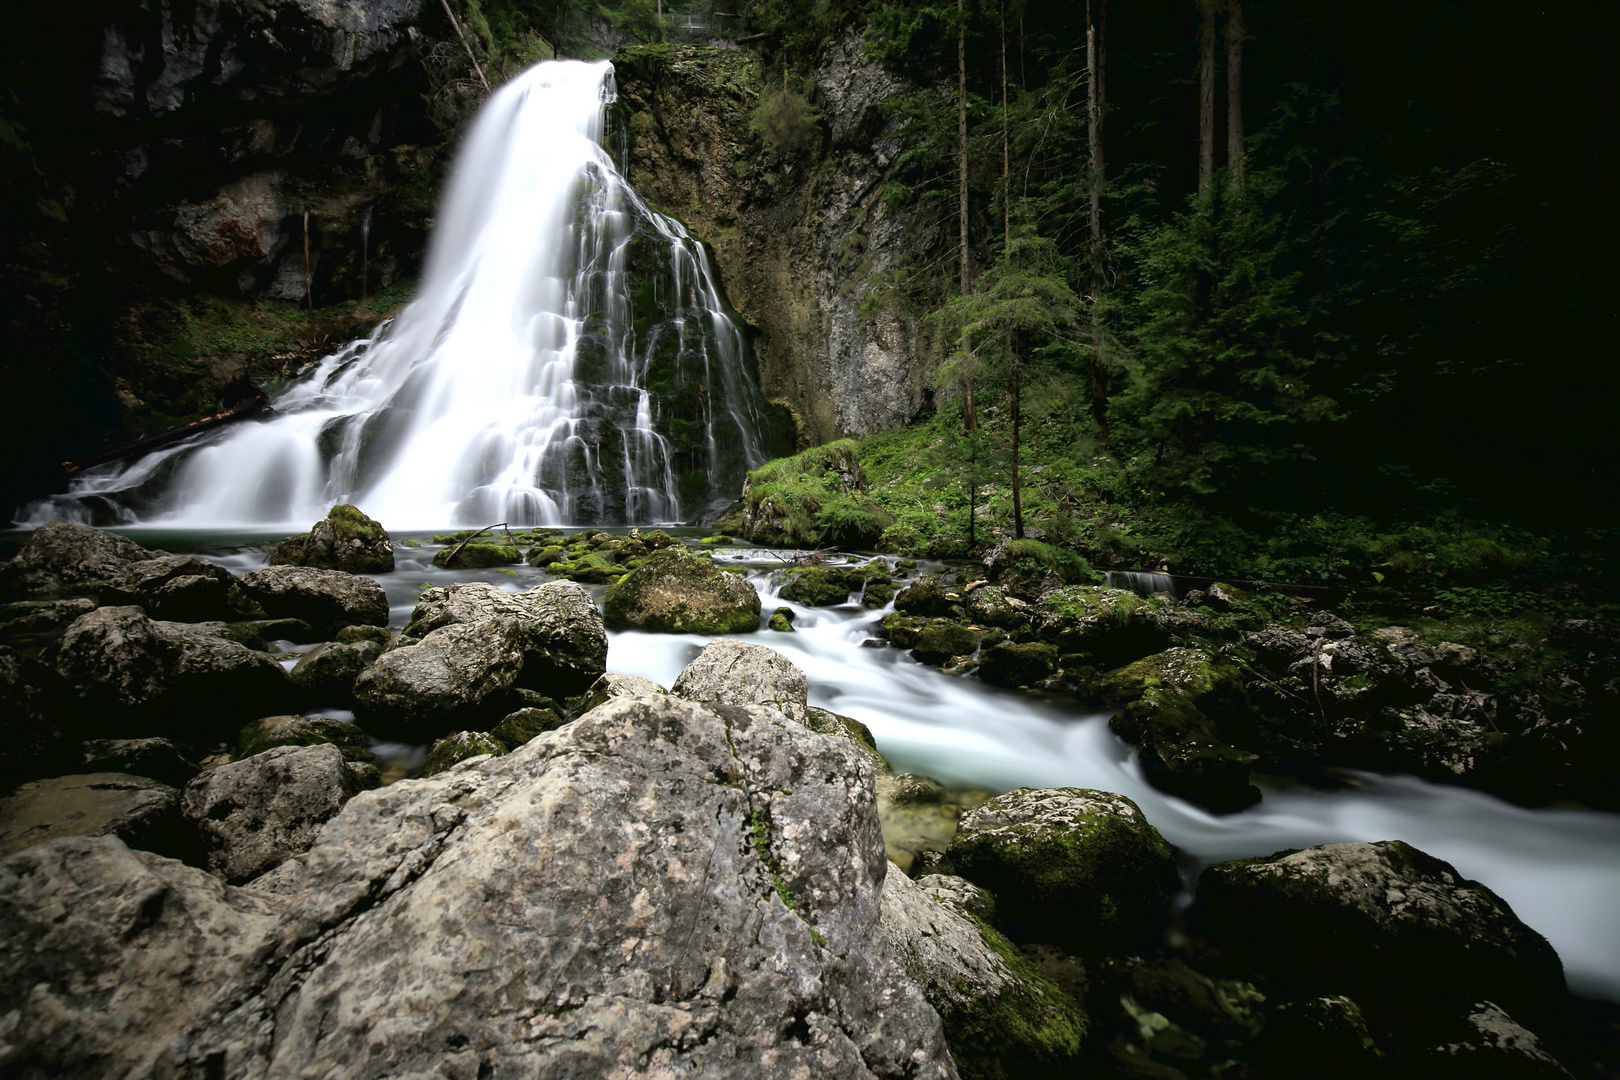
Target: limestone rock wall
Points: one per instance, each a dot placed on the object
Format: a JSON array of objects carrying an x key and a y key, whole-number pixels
[{"x": 806, "y": 247}]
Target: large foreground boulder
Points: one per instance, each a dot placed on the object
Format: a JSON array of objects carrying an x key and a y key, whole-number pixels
[
  {"x": 1384, "y": 923},
  {"x": 677, "y": 592},
  {"x": 345, "y": 539},
  {"x": 106, "y": 954},
  {"x": 328, "y": 600},
  {"x": 254, "y": 814},
  {"x": 659, "y": 888},
  {"x": 135, "y": 676},
  {"x": 1072, "y": 867}
]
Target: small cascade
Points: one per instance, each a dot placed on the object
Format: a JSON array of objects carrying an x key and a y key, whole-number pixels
[
  {"x": 1140, "y": 582},
  {"x": 365, "y": 252},
  {"x": 568, "y": 360}
]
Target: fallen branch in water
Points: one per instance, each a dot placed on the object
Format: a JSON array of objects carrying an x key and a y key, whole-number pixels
[{"x": 450, "y": 558}]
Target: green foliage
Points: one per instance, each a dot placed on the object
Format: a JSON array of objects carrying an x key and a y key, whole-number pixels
[
  {"x": 1036, "y": 555},
  {"x": 852, "y": 522},
  {"x": 787, "y": 123}
]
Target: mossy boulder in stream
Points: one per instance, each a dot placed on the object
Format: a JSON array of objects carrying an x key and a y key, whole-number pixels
[
  {"x": 346, "y": 539},
  {"x": 944, "y": 642},
  {"x": 1072, "y": 867},
  {"x": 1012, "y": 664},
  {"x": 477, "y": 556},
  {"x": 1107, "y": 626},
  {"x": 1178, "y": 706},
  {"x": 676, "y": 592}
]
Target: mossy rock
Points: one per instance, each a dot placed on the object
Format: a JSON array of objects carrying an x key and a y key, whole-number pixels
[
  {"x": 521, "y": 725},
  {"x": 929, "y": 597},
  {"x": 676, "y": 592},
  {"x": 546, "y": 556},
  {"x": 826, "y": 722},
  {"x": 590, "y": 568},
  {"x": 782, "y": 620},
  {"x": 270, "y": 732},
  {"x": 1111, "y": 626},
  {"x": 345, "y": 540},
  {"x": 458, "y": 747},
  {"x": 1073, "y": 867},
  {"x": 877, "y": 593},
  {"x": 943, "y": 642},
  {"x": 476, "y": 556},
  {"x": 351, "y": 635},
  {"x": 1179, "y": 706},
  {"x": 822, "y": 586},
  {"x": 900, "y": 630},
  {"x": 1011, "y": 664}
]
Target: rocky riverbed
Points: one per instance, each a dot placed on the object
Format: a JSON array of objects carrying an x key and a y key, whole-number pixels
[{"x": 601, "y": 874}]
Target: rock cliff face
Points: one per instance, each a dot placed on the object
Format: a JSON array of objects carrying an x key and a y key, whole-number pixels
[{"x": 807, "y": 249}]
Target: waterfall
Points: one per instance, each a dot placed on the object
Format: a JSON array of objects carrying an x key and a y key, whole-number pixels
[{"x": 568, "y": 360}]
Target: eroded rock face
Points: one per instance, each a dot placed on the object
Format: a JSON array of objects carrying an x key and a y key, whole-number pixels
[
  {"x": 329, "y": 600},
  {"x": 610, "y": 895},
  {"x": 1383, "y": 923},
  {"x": 737, "y": 673},
  {"x": 169, "y": 679},
  {"x": 254, "y": 814},
  {"x": 676, "y": 592},
  {"x": 106, "y": 954},
  {"x": 1069, "y": 866}
]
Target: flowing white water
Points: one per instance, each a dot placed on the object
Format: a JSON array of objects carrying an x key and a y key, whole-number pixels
[{"x": 569, "y": 358}]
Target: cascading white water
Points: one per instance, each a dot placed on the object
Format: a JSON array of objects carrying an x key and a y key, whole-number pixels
[{"x": 569, "y": 359}]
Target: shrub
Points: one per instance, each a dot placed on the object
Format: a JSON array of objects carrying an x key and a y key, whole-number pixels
[{"x": 787, "y": 123}]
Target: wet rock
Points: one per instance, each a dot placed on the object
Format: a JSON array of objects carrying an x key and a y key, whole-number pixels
[
  {"x": 560, "y": 630},
  {"x": 612, "y": 685},
  {"x": 1011, "y": 664},
  {"x": 1325, "y": 624},
  {"x": 1178, "y": 706},
  {"x": 1490, "y": 1043},
  {"x": 650, "y": 901},
  {"x": 927, "y": 597},
  {"x": 521, "y": 725},
  {"x": 179, "y": 588},
  {"x": 141, "y": 812},
  {"x": 1002, "y": 1016},
  {"x": 961, "y": 894},
  {"x": 107, "y": 954},
  {"x": 353, "y": 635},
  {"x": 255, "y": 813},
  {"x": 823, "y": 586},
  {"x": 993, "y": 606},
  {"x": 37, "y": 720},
  {"x": 269, "y": 732},
  {"x": 26, "y": 617},
  {"x": 326, "y": 674},
  {"x": 1108, "y": 626},
  {"x": 326, "y": 599},
  {"x": 915, "y": 818},
  {"x": 259, "y": 633},
  {"x": 162, "y": 760},
  {"x": 1384, "y": 923},
  {"x": 477, "y": 556},
  {"x": 782, "y": 620},
  {"x": 1323, "y": 1037},
  {"x": 457, "y": 676},
  {"x": 135, "y": 675},
  {"x": 450, "y": 751},
  {"x": 675, "y": 592},
  {"x": 824, "y": 722},
  {"x": 345, "y": 540},
  {"x": 942, "y": 643},
  {"x": 1072, "y": 867},
  {"x": 737, "y": 673},
  {"x": 60, "y": 556}
]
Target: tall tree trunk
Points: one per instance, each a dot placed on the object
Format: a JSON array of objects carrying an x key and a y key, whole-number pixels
[
  {"x": 1206, "y": 95},
  {"x": 1017, "y": 493},
  {"x": 1006, "y": 139},
  {"x": 970, "y": 418},
  {"x": 1236, "y": 31},
  {"x": 1094, "y": 122}
]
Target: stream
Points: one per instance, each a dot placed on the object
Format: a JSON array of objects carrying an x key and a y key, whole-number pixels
[{"x": 1559, "y": 868}]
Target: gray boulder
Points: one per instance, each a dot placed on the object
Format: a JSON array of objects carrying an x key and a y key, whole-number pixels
[
  {"x": 1384, "y": 923},
  {"x": 459, "y": 676},
  {"x": 562, "y": 637},
  {"x": 25, "y": 617},
  {"x": 172, "y": 679},
  {"x": 737, "y": 673},
  {"x": 269, "y": 732},
  {"x": 141, "y": 812},
  {"x": 107, "y": 954},
  {"x": 345, "y": 539},
  {"x": 162, "y": 760},
  {"x": 613, "y": 684},
  {"x": 1072, "y": 867},
  {"x": 327, "y": 673},
  {"x": 453, "y": 749},
  {"x": 255, "y": 813},
  {"x": 1490, "y": 1043},
  {"x": 181, "y": 588},
  {"x": 678, "y": 592},
  {"x": 658, "y": 885},
  {"x": 64, "y": 556},
  {"x": 1002, "y": 1015},
  {"x": 328, "y": 600}
]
